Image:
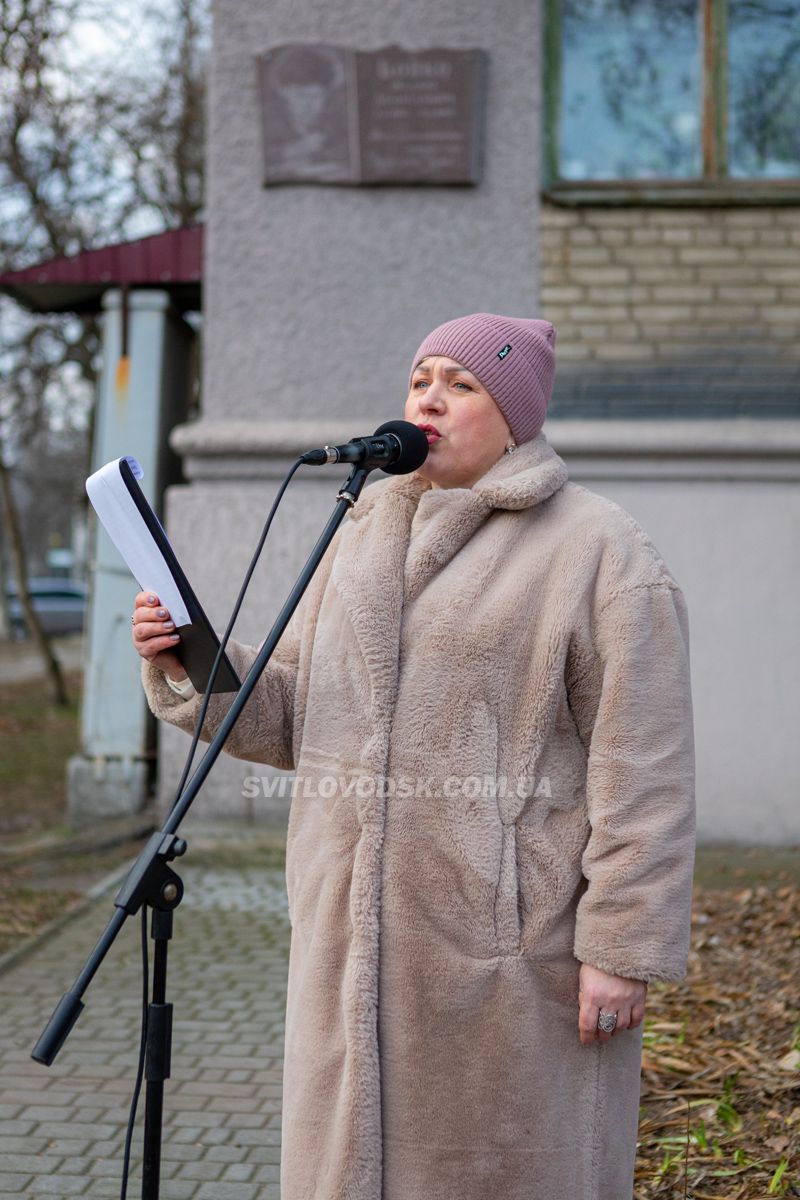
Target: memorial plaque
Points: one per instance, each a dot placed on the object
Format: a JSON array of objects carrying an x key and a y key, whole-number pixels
[
  {"x": 420, "y": 115},
  {"x": 335, "y": 115}
]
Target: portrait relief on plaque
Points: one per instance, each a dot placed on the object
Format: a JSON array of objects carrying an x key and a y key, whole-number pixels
[
  {"x": 331, "y": 114},
  {"x": 305, "y": 101}
]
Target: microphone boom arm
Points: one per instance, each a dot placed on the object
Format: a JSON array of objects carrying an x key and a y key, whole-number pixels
[{"x": 150, "y": 880}]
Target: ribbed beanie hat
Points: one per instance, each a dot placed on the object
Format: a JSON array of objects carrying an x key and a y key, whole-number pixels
[{"x": 513, "y": 357}]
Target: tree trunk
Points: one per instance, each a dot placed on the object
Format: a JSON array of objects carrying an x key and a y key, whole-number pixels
[
  {"x": 13, "y": 532},
  {"x": 5, "y": 623}
]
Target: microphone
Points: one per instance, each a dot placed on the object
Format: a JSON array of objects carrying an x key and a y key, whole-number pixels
[{"x": 397, "y": 447}]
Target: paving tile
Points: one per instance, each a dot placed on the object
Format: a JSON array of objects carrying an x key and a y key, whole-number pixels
[
  {"x": 27, "y": 1164},
  {"x": 203, "y": 1170},
  {"x": 238, "y": 1172},
  {"x": 228, "y": 1154},
  {"x": 62, "y": 1128},
  {"x": 228, "y": 1191},
  {"x": 9, "y": 1180},
  {"x": 53, "y": 1185},
  {"x": 13, "y": 1144}
]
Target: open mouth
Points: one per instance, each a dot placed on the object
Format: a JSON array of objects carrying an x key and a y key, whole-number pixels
[{"x": 430, "y": 431}]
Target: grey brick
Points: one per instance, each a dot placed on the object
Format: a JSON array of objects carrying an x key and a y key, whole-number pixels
[
  {"x": 238, "y": 1172},
  {"x": 190, "y": 1134},
  {"x": 258, "y": 1137},
  {"x": 245, "y": 1120},
  {"x": 178, "y": 1189},
  {"x": 13, "y": 1181},
  {"x": 109, "y": 1146},
  {"x": 69, "y": 1146},
  {"x": 17, "y": 1128},
  {"x": 30, "y": 1163},
  {"x": 22, "y": 1145},
  {"x": 95, "y": 1167},
  {"x": 41, "y": 1112},
  {"x": 189, "y": 1102},
  {"x": 228, "y": 1191},
  {"x": 179, "y": 1152},
  {"x": 267, "y": 1173},
  {"x": 264, "y": 1154},
  {"x": 171, "y": 1189},
  {"x": 198, "y": 1120},
  {"x": 227, "y": 1154},
  {"x": 236, "y": 1104},
  {"x": 216, "y": 1090},
  {"x": 60, "y": 1185},
  {"x": 16, "y": 1084},
  {"x": 203, "y": 1170},
  {"x": 55, "y": 1129},
  {"x": 217, "y": 1137}
]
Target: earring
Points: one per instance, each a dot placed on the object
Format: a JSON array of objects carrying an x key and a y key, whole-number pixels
[{"x": 510, "y": 449}]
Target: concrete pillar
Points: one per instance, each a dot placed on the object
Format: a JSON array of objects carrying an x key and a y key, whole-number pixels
[{"x": 112, "y": 774}]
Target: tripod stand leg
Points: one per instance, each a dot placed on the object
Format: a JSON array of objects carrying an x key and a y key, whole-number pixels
[{"x": 158, "y": 1055}]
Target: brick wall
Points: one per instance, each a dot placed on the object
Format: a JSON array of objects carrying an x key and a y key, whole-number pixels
[{"x": 633, "y": 291}]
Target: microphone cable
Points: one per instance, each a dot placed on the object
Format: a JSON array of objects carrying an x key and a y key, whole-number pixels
[
  {"x": 137, "y": 1088},
  {"x": 226, "y": 635}
]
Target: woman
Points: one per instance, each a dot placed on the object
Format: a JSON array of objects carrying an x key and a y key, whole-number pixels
[{"x": 492, "y": 663}]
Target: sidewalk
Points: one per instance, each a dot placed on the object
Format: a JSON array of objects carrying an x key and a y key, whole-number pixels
[{"x": 62, "y": 1128}]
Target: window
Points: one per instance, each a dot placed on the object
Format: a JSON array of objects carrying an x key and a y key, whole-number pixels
[{"x": 694, "y": 99}]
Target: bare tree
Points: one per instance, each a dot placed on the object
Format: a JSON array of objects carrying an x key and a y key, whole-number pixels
[
  {"x": 157, "y": 117},
  {"x": 91, "y": 152}
]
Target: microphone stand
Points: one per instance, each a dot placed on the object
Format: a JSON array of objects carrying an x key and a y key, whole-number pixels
[{"x": 151, "y": 881}]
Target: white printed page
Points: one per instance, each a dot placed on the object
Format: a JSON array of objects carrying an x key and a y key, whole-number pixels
[{"x": 124, "y": 524}]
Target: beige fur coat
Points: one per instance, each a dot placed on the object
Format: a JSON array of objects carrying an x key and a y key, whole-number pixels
[{"x": 492, "y": 723}]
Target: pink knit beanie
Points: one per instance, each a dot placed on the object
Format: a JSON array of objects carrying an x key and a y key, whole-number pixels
[{"x": 513, "y": 357}]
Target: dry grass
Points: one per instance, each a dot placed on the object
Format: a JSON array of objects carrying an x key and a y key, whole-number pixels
[
  {"x": 37, "y": 739},
  {"x": 24, "y": 909},
  {"x": 720, "y": 1102}
]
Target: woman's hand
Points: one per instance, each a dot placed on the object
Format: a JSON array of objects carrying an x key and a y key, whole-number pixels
[
  {"x": 154, "y": 635},
  {"x": 612, "y": 994}
]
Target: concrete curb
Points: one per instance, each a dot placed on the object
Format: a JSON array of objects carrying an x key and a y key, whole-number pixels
[
  {"x": 105, "y": 836},
  {"x": 17, "y": 954}
]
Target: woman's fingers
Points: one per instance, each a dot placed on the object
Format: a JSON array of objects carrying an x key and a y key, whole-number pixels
[
  {"x": 153, "y": 630},
  {"x": 623, "y": 1021},
  {"x": 145, "y": 613},
  {"x": 150, "y": 622},
  {"x": 146, "y": 599},
  {"x": 153, "y": 646},
  {"x": 143, "y": 630},
  {"x": 587, "y": 1022},
  {"x": 637, "y": 1015},
  {"x": 154, "y": 635},
  {"x": 601, "y": 992}
]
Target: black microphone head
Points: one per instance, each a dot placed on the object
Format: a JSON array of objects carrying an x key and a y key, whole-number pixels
[{"x": 414, "y": 447}]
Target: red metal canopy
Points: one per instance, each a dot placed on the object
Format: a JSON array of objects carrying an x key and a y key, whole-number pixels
[{"x": 171, "y": 261}]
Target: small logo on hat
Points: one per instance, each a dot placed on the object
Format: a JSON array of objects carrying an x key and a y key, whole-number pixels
[{"x": 504, "y": 353}]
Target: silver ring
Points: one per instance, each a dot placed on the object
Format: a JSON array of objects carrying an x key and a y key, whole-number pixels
[{"x": 606, "y": 1022}]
